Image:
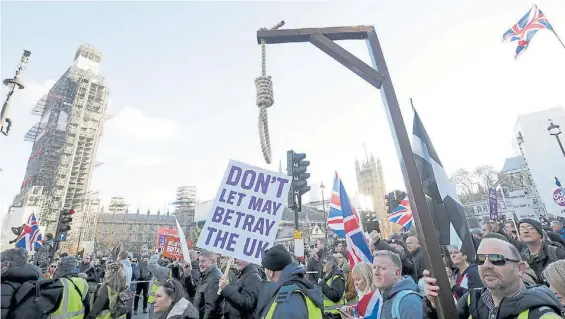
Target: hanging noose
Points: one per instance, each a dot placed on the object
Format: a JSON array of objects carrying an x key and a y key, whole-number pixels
[{"x": 265, "y": 99}]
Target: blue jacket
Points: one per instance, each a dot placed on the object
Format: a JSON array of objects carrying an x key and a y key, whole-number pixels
[
  {"x": 410, "y": 305},
  {"x": 295, "y": 308}
]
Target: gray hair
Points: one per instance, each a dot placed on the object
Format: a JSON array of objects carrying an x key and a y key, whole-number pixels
[
  {"x": 331, "y": 259},
  {"x": 390, "y": 255},
  {"x": 557, "y": 222},
  {"x": 554, "y": 274}
]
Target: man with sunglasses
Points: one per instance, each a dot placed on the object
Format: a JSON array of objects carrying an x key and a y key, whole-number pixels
[{"x": 505, "y": 295}]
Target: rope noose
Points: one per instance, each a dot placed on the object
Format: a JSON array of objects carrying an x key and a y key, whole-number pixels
[{"x": 265, "y": 99}]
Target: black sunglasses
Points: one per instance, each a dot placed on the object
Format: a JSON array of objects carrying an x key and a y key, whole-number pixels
[{"x": 495, "y": 259}]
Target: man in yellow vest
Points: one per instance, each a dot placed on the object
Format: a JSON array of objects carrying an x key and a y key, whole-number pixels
[
  {"x": 333, "y": 287},
  {"x": 75, "y": 302},
  {"x": 287, "y": 294}
]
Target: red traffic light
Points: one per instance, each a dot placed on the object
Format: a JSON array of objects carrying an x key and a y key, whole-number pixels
[{"x": 72, "y": 211}]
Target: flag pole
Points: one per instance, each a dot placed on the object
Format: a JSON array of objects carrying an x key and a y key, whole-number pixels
[{"x": 554, "y": 32}]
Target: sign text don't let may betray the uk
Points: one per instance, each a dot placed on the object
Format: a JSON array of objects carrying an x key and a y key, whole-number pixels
[{"x": 244, "y": 219}]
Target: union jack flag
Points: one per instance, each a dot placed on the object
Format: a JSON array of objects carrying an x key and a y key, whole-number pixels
[
  {"x": 402, "y": 215},
  {"x": 370, "y": 304},
  {"x": 344, "y": 220},
  {"x": 526, "y": 28},
  {"x": 31, "y": 236}
]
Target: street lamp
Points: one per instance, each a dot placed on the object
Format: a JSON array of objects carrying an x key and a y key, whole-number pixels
[
  {"x": 12, "y": 84},
  {"x": 555, "y": 131}
]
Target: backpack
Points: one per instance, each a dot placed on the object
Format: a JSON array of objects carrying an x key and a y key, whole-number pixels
[
  {"x": 123, "y": 304},
  {"x": 396, "y": 303},
  {"x": 34, "y": 299}
]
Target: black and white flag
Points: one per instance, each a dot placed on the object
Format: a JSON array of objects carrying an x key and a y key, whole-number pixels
[{"x": 449, "y": 218}]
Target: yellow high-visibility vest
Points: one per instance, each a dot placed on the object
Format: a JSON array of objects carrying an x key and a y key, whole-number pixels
[
  {"x": 112, "y": 300},
  {"x": 71, "y": 305},
  {"x": 284, "y": 295},
  {"x": 155, "y": 286},
  {"x": 330, "y": 306}
]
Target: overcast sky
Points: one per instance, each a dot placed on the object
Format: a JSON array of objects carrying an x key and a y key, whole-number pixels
[{"x": 183, "y": 98}]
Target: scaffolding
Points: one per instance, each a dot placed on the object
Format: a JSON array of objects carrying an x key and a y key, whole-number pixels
[
  {"x": 185, "y": 203},
  {"x": 66, "y": 138}
]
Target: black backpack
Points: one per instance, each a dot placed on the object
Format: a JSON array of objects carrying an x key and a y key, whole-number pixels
[{"x": 34, "y": 299}]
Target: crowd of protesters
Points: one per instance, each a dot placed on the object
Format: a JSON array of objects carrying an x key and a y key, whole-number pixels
[{"x": 518, "y": 272}]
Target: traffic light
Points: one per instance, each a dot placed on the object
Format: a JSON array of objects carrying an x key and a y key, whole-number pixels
[
  {"x": 65, "y": 220},
  {"x": 296, "y": 166},
  {"x": 389, "y": 202}
]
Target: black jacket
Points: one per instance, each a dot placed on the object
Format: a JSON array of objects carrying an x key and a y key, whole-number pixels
[
  {"x": 539, "y": 262},
  {"x": 12, "y": 279},
  {"x": 95, "y": 274},
  {"x": 241, "y": 295},
  {"x": 313, "y": 265},
  {"x": 337, "y": 289},
  {"x": 205, "y": 292},
  {"x": 538, "y": 299},
  {"x": 418, "y": 259}
]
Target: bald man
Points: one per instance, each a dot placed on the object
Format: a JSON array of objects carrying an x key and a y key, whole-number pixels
[{"x": 416, "y": 255}]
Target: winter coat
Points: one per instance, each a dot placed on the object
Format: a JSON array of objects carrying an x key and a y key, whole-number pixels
[
  {"x": 182, "y": 309},
  {"x": 295, "y": 308},
  {"x": 241, "y": 295},
  {"x": 337, "y": 289},
  {"x": 205, "y": 292},
  {"x": 101, "y": 302},
  {"x": 144, "y": 273},
  {"x": 12, "y": 279},
  {"x": 534, "y": 298},
  {"x": 540, "y": 261},
  {"x": 418, "y": 259},
  {"x": 410, "y": 306}
]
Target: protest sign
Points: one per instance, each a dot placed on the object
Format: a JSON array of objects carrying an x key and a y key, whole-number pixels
[
  {"x": 244, "y": 219},
  {"x": 183, "y": 242},
  {"x": 162, "y": 233},
  {"x": 172, "y": 248}
]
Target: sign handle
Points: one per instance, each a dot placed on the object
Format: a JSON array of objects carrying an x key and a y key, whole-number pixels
[{"x": 226, "y": 271}]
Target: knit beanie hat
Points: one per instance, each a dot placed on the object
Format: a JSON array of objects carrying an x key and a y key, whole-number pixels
[
  {"x": 534, "y": 223},
  {"x": 17, "y": 256},
  {"x": 66, "y": 266},
  {"x": 276, "y": 258}
]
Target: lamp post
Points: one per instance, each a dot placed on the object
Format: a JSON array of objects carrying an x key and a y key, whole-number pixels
[
  {"x": 12, "y": 84},
  {"x": 554, "y": 130}
]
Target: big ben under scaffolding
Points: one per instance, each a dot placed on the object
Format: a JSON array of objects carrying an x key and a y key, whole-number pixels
[{"x": 65, "y": 141}]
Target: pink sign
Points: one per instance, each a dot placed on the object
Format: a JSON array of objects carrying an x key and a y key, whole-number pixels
[{"x": 559, "y": 197}]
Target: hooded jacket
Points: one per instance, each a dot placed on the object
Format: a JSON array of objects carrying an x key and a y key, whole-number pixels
[
  {"x": 410, "y": 306},
  {"x": 295, "y": 308},
  {"x": 241, "y": 295},
  {"x": 161, "y": 273},
  {"x": 12, "y": 279},
  {"x": 537, "y": 299}
]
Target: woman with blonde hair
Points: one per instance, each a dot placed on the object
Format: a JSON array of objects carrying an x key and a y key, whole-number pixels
[
  {"x": 107, "y": 298},
  {"x": 363, "y": 278},
  {"x": 554, "y": 274}
]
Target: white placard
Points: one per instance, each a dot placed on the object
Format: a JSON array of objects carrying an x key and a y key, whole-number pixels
[{"x": 244, "y": 219}]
